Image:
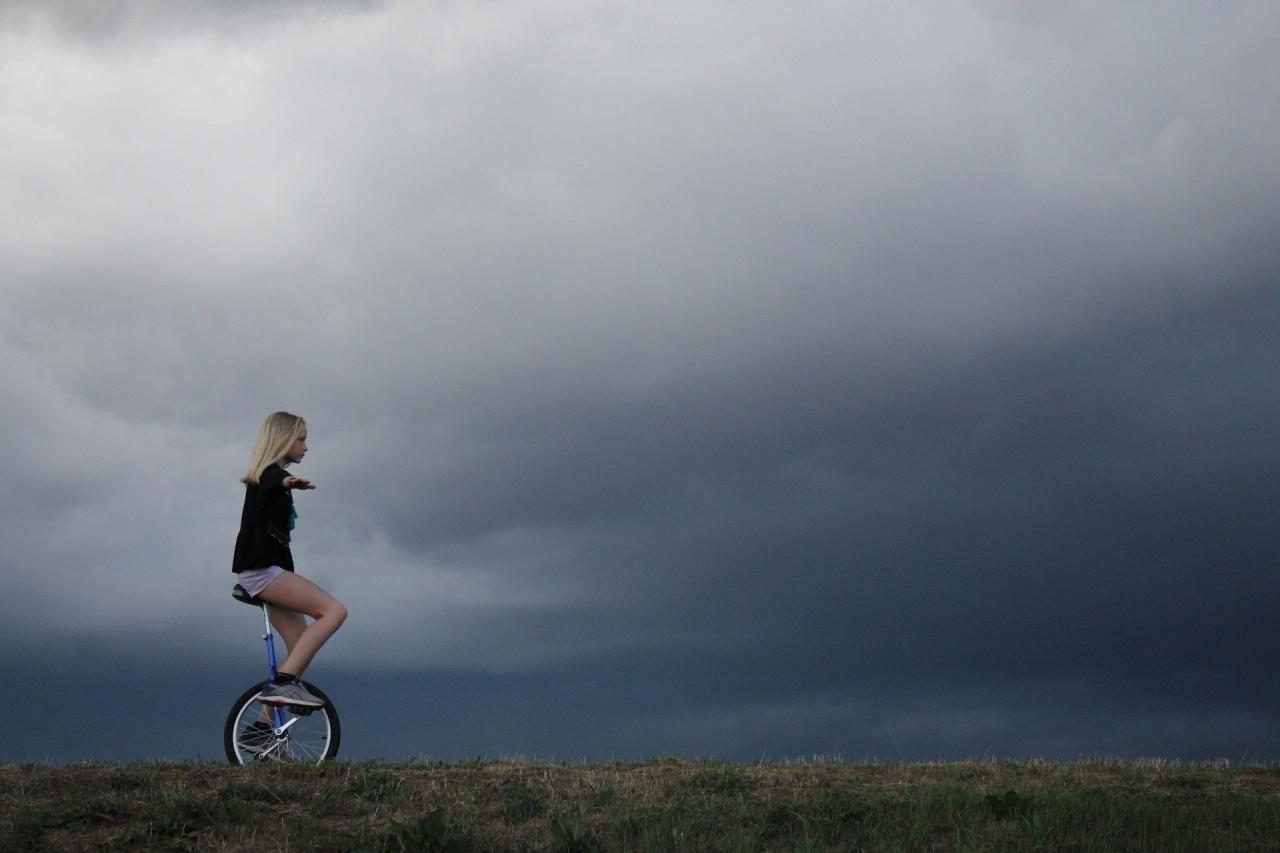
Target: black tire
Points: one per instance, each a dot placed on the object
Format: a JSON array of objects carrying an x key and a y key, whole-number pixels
[{"x": 313, "y": 738}]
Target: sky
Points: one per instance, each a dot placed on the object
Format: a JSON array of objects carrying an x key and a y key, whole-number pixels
[{"x": 731, "y": 380}]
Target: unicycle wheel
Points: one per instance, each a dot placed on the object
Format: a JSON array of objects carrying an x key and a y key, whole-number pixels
[{"x": 253, "y": 734}]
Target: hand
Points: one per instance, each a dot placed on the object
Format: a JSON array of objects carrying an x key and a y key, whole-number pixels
[{"x": 297, "y": 483}]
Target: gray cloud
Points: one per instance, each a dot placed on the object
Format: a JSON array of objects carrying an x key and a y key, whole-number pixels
[
  {"x": 741, "y": 356},
  {"x": 126, "y": 21}
]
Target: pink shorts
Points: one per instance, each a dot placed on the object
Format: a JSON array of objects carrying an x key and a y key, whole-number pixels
[{"x": 255, "y": 581}]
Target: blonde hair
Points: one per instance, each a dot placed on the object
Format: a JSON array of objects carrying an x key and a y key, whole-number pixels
[{"x": 278, "y": 433}]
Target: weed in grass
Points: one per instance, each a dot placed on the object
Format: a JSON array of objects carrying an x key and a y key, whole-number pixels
[
  {"x": 623, "y": 828},
  {"x": 676, "y": 827},
  {"x": 377, "y": 784},
  {"x": 819, "y": 819},
  {"x": 1041, "y": 829},
  {"x": 827, "y": 814},
  {"x": 236, "y": 812},
  {"x": 572, "y": 836},
  {"x": 519, "y": 802},
  {"x": 722, "y": 780},
  {"x": 938, "y": 814},
  {"x": 777, "y": 821},
  {"x": 323, "y": 803},
  {"x": 28, "y": 831},
  {"x": 78, "y": 815},
  {"x": 128, "y": 780},
  {"x": 251, "y": 791},
  {"x": 301, "y": 832},
  {"x": 178, "y": 814},
  {"x": 604, "y": 797},
  {"x": 1006, "y": 806},
  {"x": 434, "y": 832},
  {"x": 241, "y": 802}
]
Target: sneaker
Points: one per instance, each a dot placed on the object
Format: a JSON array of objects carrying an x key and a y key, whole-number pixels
[
  {"x": 289, "y": 693},
  {"x": 256, "y": 737}
]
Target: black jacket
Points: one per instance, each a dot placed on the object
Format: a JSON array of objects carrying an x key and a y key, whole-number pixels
[{"x": 264, "y": 524}]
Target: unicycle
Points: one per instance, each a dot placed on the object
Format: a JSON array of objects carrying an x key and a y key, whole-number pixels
[{"x": 259, "y": 732}]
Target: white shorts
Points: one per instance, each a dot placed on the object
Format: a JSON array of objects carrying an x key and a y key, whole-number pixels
[{"x": 255, "y": 581}]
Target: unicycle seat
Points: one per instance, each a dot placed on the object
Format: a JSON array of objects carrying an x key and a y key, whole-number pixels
[{"x": 242, "y": 595}]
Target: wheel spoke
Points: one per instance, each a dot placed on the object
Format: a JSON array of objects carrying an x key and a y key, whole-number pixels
[{"x": 308, "y": 737}]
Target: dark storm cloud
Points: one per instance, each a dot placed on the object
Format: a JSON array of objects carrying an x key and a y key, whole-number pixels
[
  {"x": 1094, "y": 510},
  {"x": 706, "y": 705}
]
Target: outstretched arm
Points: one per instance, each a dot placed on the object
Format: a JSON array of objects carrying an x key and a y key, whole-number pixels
[{"x": 297, "y": 483}]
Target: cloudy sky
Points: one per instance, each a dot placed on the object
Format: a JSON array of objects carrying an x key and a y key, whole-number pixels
[{"x": 723, "y": 379}]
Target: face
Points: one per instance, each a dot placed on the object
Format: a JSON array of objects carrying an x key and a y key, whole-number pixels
[{"x": 298, "y": 449}]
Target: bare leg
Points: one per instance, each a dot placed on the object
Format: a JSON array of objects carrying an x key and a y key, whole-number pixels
[
  {"x": 294, "y": 593},
  {"x": 289, "y": 625}
]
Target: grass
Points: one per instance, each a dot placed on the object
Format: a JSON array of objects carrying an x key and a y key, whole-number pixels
[{"x": 662, "y": 805}]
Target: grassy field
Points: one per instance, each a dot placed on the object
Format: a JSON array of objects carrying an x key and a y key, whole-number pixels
[{"x": 664, "y": 804}]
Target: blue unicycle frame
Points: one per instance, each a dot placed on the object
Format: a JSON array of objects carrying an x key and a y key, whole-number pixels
[{"x": 277, "y": 712}]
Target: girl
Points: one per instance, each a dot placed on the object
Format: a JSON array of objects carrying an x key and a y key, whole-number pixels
[{"x": 264, "y": 565}]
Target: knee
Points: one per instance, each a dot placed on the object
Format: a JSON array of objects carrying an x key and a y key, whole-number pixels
[{"x": 338, "y": 613}]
